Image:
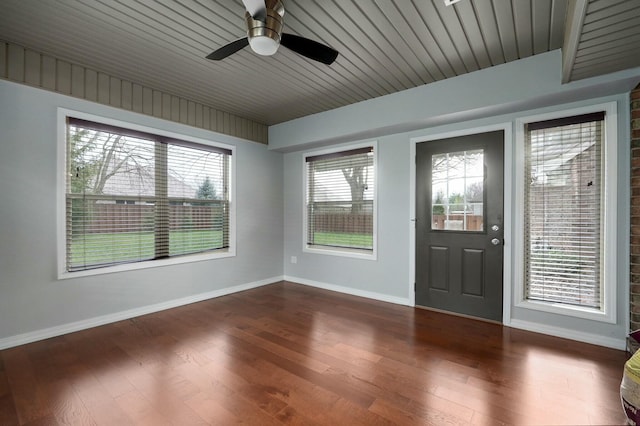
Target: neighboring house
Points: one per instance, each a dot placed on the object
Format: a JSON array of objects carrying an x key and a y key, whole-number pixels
[
  {"x": 138, "y": 181},
  {"x": 558, "y": 187},
  {"x": 129, "y": 194}
]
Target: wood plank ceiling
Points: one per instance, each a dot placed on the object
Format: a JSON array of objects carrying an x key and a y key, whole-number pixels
[
  {"x": 385, "y": 45},
  {"x": 609, "y": 38}
]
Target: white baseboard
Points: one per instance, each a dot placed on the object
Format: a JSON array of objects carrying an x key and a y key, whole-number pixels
[
  {"x": 580, "y": 336},
  {"x": 33, "y": 336},
  {"x": 348, "y": 290}
]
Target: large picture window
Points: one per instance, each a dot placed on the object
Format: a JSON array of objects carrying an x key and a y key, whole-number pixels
[
  {"x": 568, "y": 225},
  {"x": 340, "y": 201},
  {"x": 133, "y": 196}
]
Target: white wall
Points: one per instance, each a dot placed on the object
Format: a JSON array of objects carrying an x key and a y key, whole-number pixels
[
  {"x": 390, "y": 276},
  {"x": 34, "y": 304}
]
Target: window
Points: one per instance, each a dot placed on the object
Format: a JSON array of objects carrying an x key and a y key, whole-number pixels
[
  {"x": 133, "y": 196},
  {"x": 340, "y": 201},
  {"x": 566, "y": 222},
  {"x": 457, "y": 185}
]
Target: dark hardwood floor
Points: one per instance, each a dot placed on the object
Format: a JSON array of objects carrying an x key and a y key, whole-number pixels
[{"x": 290, "y": 354}]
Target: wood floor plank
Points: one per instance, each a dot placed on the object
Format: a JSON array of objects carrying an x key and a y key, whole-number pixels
[
  {"x": 273, "y": 390},
  {"x": 297, "y": 355},
  {"x": 241, "y": 409},
  {"x": 254, "y": 336},
  {"x": 210, "y": 410},
  {"x": 305, "y": 398},
  {"x": 152, "y": 382},
  {"x": 66, "y": 405},
  {"x": 30, "y": 403},
  {"x": 322, "y": 380},
  {"x": 139, "y": 409},
  {"x": 8, "y": 413},
  {"x": 290, "y": 416},
  {"x": 394, "y": 414}
]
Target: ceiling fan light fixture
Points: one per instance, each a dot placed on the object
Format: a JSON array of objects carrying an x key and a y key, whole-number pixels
[{"x": 264, "y": 45}]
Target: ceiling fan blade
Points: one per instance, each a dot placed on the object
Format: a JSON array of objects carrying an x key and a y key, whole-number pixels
[
  {"x": 228, "y": 49},
  {"x": 309, "y": 48},
  {"x": 256, "y": 8}
]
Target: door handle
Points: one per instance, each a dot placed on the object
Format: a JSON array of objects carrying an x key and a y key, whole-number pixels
[{"x": 495, "y": 241}]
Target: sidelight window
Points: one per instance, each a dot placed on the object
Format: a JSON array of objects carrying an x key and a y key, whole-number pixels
[{"x": 567, "y": 217}]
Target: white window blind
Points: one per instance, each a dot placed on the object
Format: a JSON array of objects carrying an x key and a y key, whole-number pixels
[
  {"x": 563, "y": 227},
  {"x": 340, "y": 204},
  {"x": 133, "y": 196}
]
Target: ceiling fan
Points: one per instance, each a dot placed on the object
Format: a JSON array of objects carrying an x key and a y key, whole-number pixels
[{"x": 264, "y": 35}]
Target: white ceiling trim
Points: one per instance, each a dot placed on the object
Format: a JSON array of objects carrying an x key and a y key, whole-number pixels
[{"x": 576, "y": 13}]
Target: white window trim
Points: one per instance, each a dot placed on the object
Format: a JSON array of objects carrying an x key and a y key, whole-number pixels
[
  {"x": 63, "y": 113},
  {"x": 607, "y": 313},
  {"x": 337, "y": 251}
]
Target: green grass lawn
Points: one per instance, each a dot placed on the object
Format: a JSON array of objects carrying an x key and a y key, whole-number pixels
[
  {"x": 96, "y": 249},
  {"x": 343, "y": 239},
  {"x": 92, "y": 249}
]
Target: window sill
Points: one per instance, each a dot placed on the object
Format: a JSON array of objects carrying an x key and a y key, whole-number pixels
[
  {"x": 569, "y": 311},
  {"x": 344, "y": 252},
  {"x": 63, "y": 274}
]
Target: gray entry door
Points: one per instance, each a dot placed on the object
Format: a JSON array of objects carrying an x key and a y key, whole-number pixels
[{"x": 459, "y": 224}]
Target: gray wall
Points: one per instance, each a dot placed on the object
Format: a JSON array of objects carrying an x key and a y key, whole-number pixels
[
  {"x": 389, "y": 277},
  {"x": 515, "y": 86},
  {"x": 34, "y": 304}
]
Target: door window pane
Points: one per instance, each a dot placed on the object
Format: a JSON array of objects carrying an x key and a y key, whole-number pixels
[{"x": 457, "y": 188}]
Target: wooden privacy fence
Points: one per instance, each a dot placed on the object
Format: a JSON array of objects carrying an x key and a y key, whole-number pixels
[
  {"x": 112, "y": 218},
  {"x": 456, "y": 221},
  {"x": 343, "y": 222}
]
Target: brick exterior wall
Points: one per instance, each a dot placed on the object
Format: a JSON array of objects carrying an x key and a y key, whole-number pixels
[{"x": 634, "y": 319}]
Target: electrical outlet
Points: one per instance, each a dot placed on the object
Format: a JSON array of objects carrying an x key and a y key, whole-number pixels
[{"x": 294, "y": 259}]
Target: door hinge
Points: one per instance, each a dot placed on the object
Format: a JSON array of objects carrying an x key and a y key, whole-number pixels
[{"x": 414, "y": 287}]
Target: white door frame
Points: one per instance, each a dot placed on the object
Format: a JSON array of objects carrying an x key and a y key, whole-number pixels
[{"x": 507, "y": 127}]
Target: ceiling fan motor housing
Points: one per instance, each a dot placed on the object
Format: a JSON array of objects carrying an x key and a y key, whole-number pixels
[{"x": 264, "y": 36}]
